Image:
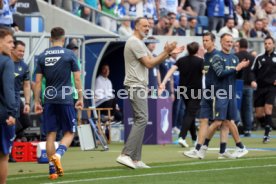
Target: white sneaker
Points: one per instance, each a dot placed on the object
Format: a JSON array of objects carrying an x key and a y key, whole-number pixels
[
  {"x": 240, "y": 152},
  {"x": 182, "y": 142},
  {"x": 202, "y": 152},
  {"x": 192, "y": 153},
  {"x": 226, "y": 155},
  {"x": 141, "y": 165},
  {"x": 126, "y": 161}
]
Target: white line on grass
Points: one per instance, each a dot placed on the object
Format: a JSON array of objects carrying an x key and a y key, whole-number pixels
[
  {"x": 161, "y": 166},
  {"x": 164, "y": 173}
]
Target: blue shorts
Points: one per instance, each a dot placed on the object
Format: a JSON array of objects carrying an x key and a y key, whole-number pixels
[
  {"x": 226, "y": 109},
  {"x": 206, "y": 109},
  {"x": 7, "y": 136},
  {"x": 59, "y": 117}
]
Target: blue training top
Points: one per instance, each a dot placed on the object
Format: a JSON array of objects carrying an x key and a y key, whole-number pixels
[
  {"x": 224, "y": 66},
  {"x": 7, "y": 95},
  {"x": 56, "y": 65},
  {"x": 21, "y": 73}
]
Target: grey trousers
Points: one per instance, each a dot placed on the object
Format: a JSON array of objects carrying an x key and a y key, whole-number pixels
[
  {"x": 65, "y": 4},
  {"x": 133, "y": 146},
  {"x": 199, "y": 6}
]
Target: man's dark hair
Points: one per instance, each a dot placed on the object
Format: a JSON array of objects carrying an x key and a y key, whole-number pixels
[
  {"x": 5, "y": 32},
  {"x": 57, "y": 33},
  {"x": 270, "y": 37},
  {"x": 192, "y": 48},
  {"x": 212, "y": 36},
  {"x": 18, "y": 42},
  {"x": 243, "y": 43}
]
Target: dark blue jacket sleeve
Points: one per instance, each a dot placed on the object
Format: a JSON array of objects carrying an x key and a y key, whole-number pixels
[
  {"x": 9, "y": 94},
  {"x": 218, "y": 67}
]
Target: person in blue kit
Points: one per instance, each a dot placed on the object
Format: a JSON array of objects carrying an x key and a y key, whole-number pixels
[
  {"x": 264, "y": 73},
  {"x": 8, "y": 108},
  {"x": 222, "y": 67},
  {"x": 56, "y": 65},
  {"x": 22, "y": 78}
]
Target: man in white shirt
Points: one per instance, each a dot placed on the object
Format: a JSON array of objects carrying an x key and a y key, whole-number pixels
[
  {"x": 229, "y": 28},
  {"x": 104, "y": 96},
  {"x": 103, "y": 86}
]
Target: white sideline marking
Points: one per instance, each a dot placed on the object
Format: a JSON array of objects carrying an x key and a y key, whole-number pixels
[
  {"x": 162, "y": 166},
  {"x": 165, "y": 173},
  {"x": 231, "y": 149}
]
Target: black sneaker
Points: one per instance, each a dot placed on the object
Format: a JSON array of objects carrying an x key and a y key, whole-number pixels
[
  {"x": 266, "y": 139},
  {"x": 247, "y": 133}
]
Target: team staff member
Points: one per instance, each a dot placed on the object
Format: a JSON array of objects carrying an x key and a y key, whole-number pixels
[{"x": 264, "y": 69}]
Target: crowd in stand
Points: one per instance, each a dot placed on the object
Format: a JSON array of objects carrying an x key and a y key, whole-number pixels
[{"x": 242, "y": 18}]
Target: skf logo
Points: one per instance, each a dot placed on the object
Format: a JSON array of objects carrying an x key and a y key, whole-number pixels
[{"x": 51, "y": 61}]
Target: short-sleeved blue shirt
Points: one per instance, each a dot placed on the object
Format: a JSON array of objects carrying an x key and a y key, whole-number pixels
[{"x": 56, "y": 65}]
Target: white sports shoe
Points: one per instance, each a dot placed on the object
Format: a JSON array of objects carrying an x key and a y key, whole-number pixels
[
  {"x": 182, "y": 142},
  {"x": 192, "y": 153},
  {"x": 126, "y": 161},
  {"x": 202, "y": 151},
  {"x": 141, "y": 165},
  {"x": 240, "y": 152},
  {"x": 226, "y": 155}
]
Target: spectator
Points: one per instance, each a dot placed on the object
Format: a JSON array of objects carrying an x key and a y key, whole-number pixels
[
  {"x": 125, "y": 29},
  {"x": 229, "y": 8},
  {"x": 85, "y": 12},
  {"x": 238, "y": 16},
  {"x": 236, "y": 46},
  {"x": 134, "y": 8},
  {"x": 181, "y": 30},
  {"x": 6, "y": 14},
  {"x": 229, "y": 28},
  {"x": 65, "y": 4},
  {"x": 164, "y": 7},
  {"x": 215, "y": 13},
  {"x": 192, "y": 23},
  {"x": 108, "y": 6},
  {"x": 162, "y": 27},
  {"x": 258, "y": 30},
  {"x": 267, "y": 11},
  {"x": 185, "y": 8},
  {"x": 245, "y": 31},
  {"x": 151, "y": 25},
  {"x": 246, "y": 14},
  {"x": 150, "y": 9},
  {"x": 272, "y": 28},
  {"x": 199, "y": 6}
]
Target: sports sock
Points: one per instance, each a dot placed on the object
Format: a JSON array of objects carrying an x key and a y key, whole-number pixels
[
  {"x": 240, "y": 145},
  {"x": 206, "y": 142},
  {"x": 61, "y": 150},
  {"x": 198, "y": 146},
  {"x": 52, "y": 168},
  {"x": 222, "y": 147}
]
